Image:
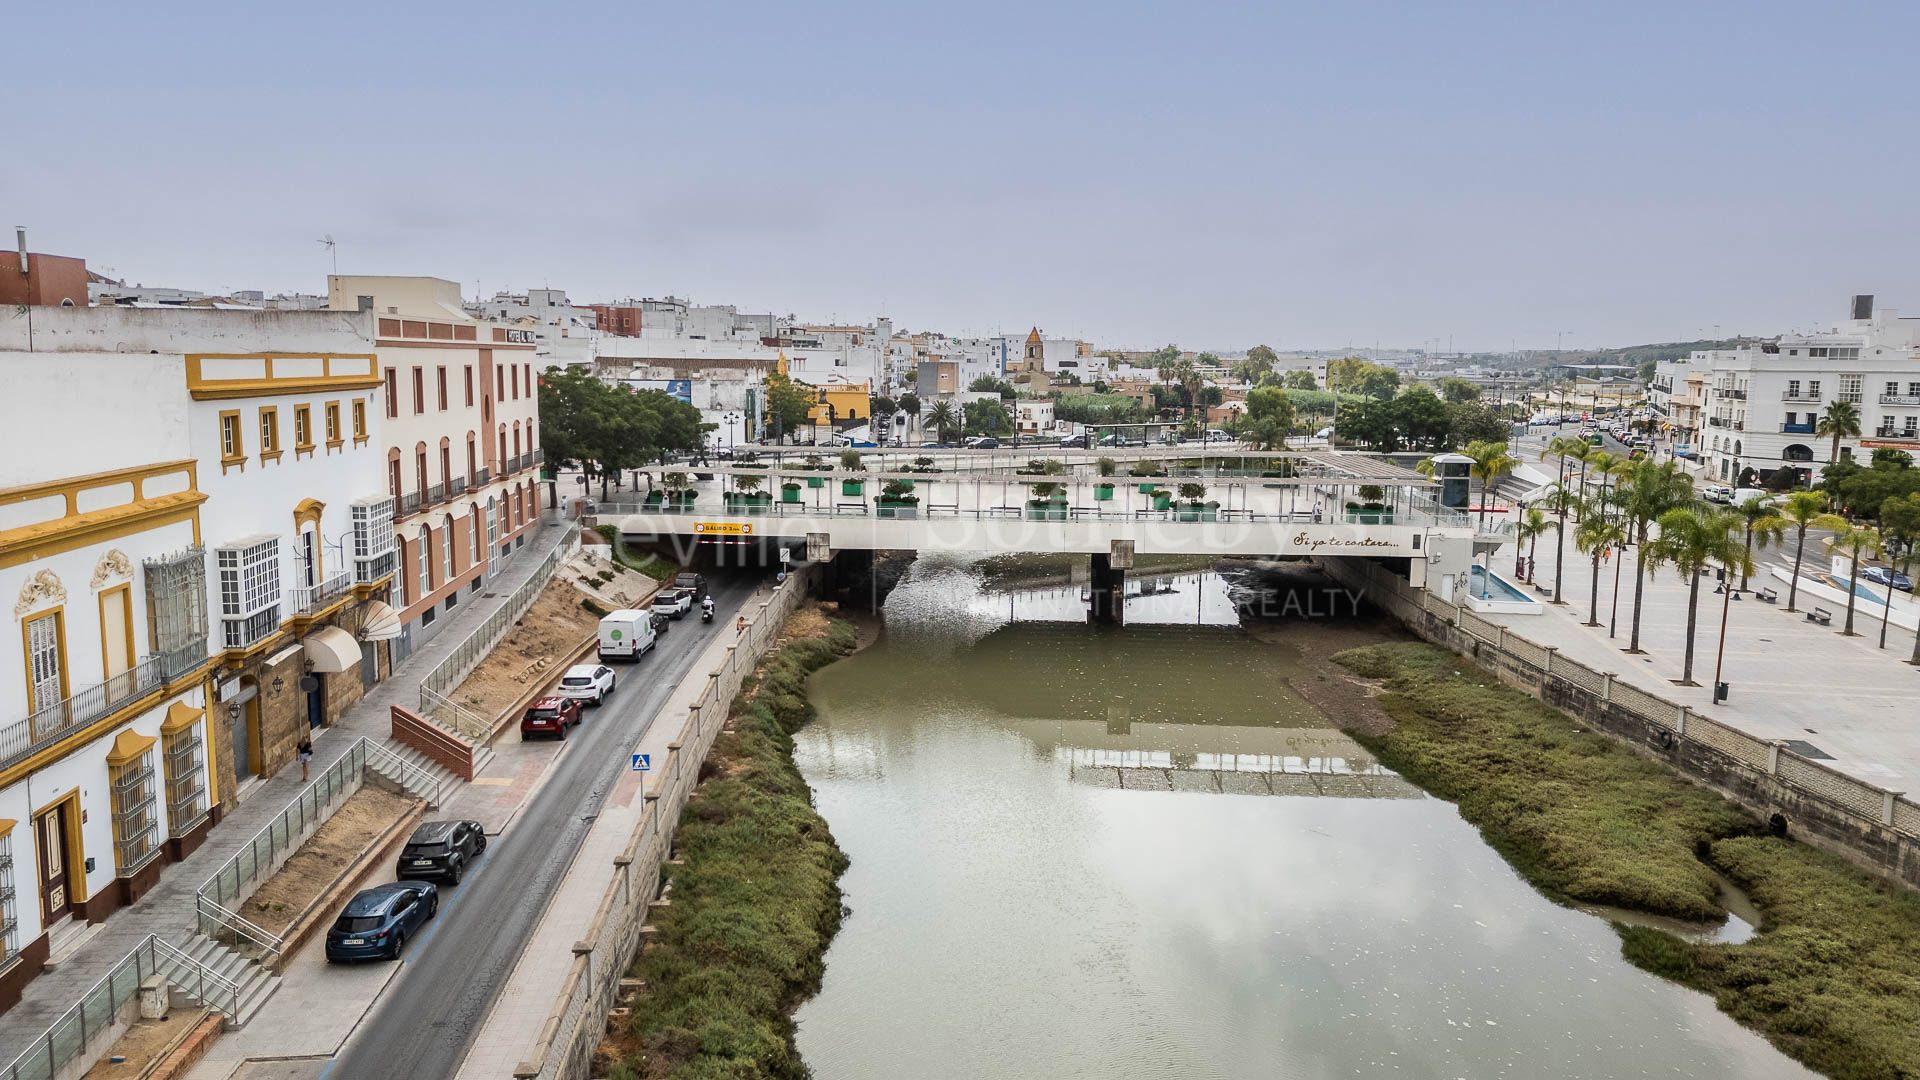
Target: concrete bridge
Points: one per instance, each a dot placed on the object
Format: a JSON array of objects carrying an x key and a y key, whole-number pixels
[{"x": 1321, "y": 503}]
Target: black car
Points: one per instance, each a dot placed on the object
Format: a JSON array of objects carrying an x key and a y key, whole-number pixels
[
  {"x": 661, "y": 623},
  {"x": 983, "y": 442},
  {"x": 376, "y": 923},
  {"x": 690, "y": 580},
  {"x": 1076, "y": 442},
  {"x": 440, "y": 850}
]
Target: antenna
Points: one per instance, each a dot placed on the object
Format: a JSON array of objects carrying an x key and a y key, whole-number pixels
[{"x": 332, "y": 249}]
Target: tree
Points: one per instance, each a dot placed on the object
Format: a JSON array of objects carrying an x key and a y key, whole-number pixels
[
  {"x": 1474, "y": 421},
  {"x": 1268, "y": 420},
  {"x": 1886, "y": 457},
  {"x": 1648, "y": 490},
  {"x": 1559, "y": 501},
  {"x": 944, "y": 418},
  {"x": 882, "y": 406},
  {"x": 1352, "y": 375},
  {"x": 789, "y": 404},
  {"x": 1900, "y": 521},
  {"x": 1458, "y": 391},
  {"x": 1300, "y": 380},
  {"x": 910, "y": 404},
  {"x": 987, "y": 384},
  {"x": 1532, "y": 523},
  {"x": 1857, "y": 541},
  {"x": 1259, "y": 362},
  {"x": 1490, "y": 462},
  {"x": 606, "y": 429},
  {"x": 1840, "y": 421},
  {"x": 1567, "y": 448},
  {"x": 1690, "y": 540},
  {"x": 1802, "y": 509},
  {"x": 987, "y": 417},
  {"x": 1597, "y": 535},
  {"x": 1760, "y": 524}
]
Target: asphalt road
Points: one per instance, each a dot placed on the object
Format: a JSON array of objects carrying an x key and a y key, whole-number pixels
[{"x": 426, "y": 1019}]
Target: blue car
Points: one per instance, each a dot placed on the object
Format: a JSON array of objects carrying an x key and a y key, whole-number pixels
[
  {"x": 1880, "y": 575},
  {"x": 376, "y": 923}
]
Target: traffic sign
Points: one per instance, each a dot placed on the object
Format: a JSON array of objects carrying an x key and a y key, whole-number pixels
[
  {"x": 723, "y": 528},
  {"x": 642, "y": 762}
]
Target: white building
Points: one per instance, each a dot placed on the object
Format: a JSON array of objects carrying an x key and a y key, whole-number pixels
[
  {"x": 197, "y": 552},
  {"x": 563, "y": 332},
  {"x": 1764, "y": 403}
]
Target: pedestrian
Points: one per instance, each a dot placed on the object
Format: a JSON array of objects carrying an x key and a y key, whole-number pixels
[
  {"x": 740, "y": 625},
  {"x": 306, "y": 757}
]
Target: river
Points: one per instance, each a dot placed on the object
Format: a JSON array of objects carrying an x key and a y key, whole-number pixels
[{"x": 1138, "y": 852}]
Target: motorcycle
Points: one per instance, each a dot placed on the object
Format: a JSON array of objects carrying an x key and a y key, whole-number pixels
[{"x": 706, "y": 613}]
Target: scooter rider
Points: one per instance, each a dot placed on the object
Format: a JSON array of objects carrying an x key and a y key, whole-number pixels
[{"x": 706, "y": 609}]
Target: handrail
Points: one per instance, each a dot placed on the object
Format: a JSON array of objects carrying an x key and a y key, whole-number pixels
[
  {"x": 89, "y": 1018},
  {"x": 466, "y": 722},
  {"x": 411, "y": 776},
  {"x": 260, "y": 937},
  {"x": 202, "y": 974}
]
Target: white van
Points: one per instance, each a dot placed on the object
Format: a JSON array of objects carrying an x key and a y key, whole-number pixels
[
  {"x": 625, "y": 634},
  {"x": 1741, "y": 495}
]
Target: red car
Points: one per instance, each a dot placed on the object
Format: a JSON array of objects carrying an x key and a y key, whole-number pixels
[{"x": 550, "y": 716}]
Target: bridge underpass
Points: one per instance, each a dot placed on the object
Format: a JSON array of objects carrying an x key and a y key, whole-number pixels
[{"x": 1327, "y": 503}]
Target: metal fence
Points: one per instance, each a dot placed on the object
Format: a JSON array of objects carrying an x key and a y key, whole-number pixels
[
  {"x": 464, "y": 657},
  {"x": 1835, "y": 791},
  {"x": 216, "y": 907},
  {"x": 576, "y": 1020}
]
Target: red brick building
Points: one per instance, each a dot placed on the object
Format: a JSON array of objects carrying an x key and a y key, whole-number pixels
[
  {"x": 621, "y": 321},
  {"x": 42, "y": 280}
]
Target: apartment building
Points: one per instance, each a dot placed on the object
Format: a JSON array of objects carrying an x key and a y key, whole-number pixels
[
  {"x": 198, "y": 554},
  {"x": 1764, "y": 403},
  {"x": 460, "y": 439}
]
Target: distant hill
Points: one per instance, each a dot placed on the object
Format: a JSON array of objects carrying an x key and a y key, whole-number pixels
[{"x": 1630, "y": 355}]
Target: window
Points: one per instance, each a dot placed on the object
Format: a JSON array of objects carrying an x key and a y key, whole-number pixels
[
  {"x": 423, "y": 551},
  {"x": 514, "y": 381},
  {"x": 500, "y": 383},
  {"x": 249, "y": 591},
  {"x": 269, "y": 433},
  {"x": 136, "y": 828},
  {"x": 493, "y": 523},
  {"x": 1893, "y": 389},
  {"x": 233, "y": 449},
  {"x": 446, "y": 549},
  {"x": 1850, "y": 388},
  {"x": 419, "y": 391},
  {"x": 359, "y": 421},
  {"x": 9, "y": 906},
  {"x": 1792, "y": 418},
  {"x": 1913, "y": 389},
  {"x": 372, "y": 538},
  {"x": 1912, "y": 426},
  {"x": 177, "y": 608},
  {"x": 302, "y": 428},
  {"x": 46, "y": 661},
  {"x": 440, "y": 383},
  {"x": 186, "y": 780},
  {"x": 473, "y": 535},
  {"x": 393, "y": 400},
  {"x": 469, "y": 385},
  {"x": 1793, "y": 388},
  {"x": 334, "y": 438}
]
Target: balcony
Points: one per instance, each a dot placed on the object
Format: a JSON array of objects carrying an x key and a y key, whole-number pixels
[
  {"x": 306, "y": 600},
  {"x": 1900, "y": 399},
  {"x": 456, "y": 487},
  {"x": 1801, "y": 396},
  {"x": 1796, "y": 429},
  {"x": 245, "y": 631},
  {"x": 481, "y": 479},
  {"x": 62, "y": 718},
  {"x": 409, "y": 504},
  {"x": 369, "y": 570},
  {"x": 436, "y": 494},
  {"x": 1735, "y": 395}
]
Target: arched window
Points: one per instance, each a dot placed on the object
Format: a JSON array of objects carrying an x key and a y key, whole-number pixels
[
  {"x": 1797, "y": 452},
  {"x": 423, "y": 556},
  {"x": 473, "y": 463},
  {"x": 493, "y": 523},
  {"x": 446, "y": 549},
  {"x": 393, "y": 473},
  {"x": 420, "y": 469}
]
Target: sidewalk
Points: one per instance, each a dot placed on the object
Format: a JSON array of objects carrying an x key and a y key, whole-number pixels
[
  {"x": 1789, "y": 678},
  {"x": 168, "y": 909},
  {"x": 512, "y": 1028}
]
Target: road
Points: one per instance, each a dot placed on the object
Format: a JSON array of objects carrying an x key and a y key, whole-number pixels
[{"x": 424, "y": 1022}]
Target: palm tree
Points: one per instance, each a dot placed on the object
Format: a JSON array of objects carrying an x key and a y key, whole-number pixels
[
  {"x": 910, "y": 404},
  {"x": 1691, "y": 540},
  {"x": 944, "y": 418},
  {"x": 1532, "y": 524},
  {"x": 1490, "y": 462},
  {"x": 1597, "y": 535},
  {"x": 1648, "y": 490},
  {"x": 1856, "y": 540},
  {"x": 1761, "y": 524},
  {"x": 1559, "y": 501},
  {"x": 1566, "y": 448},
  {"x": 1840, "y": 421},
  {"x": 1803, "y": 509}
]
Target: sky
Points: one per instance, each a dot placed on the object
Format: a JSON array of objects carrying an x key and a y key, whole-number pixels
[{"x": 1306, "y": 175}]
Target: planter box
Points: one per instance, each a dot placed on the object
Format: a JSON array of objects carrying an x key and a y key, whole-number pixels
[
  {"x": 897, "y": 510},
  {"x": 790, "y": 494},
  {"x": 1103, "y": 492},
  {"x": 1045, "y": 510},
  {"x": 1148, "y": 489},
  {"x": 816, "y": 481},
  {"x": 1163, "y": 502},
  {"x": 1370, "y": 517},
  {"x": 853, "y": 487}
]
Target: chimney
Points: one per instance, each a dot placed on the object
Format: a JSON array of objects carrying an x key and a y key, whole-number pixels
[
  {"x": 20, "y": 231},
  {"x": 1862, "y": 305}
]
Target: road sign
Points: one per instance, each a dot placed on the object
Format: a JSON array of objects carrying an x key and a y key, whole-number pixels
[
  {"x": 786, "y": 555},
  {"x": 723, "y": 528},
  {"x": 642, "y": 762}
]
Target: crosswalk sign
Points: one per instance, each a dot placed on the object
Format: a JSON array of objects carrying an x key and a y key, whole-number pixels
[{"x": 642, "y": 762}]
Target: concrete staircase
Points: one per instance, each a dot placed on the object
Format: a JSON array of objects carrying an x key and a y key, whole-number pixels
[
  {"x": 256, "y": 984},
  {"x": 437, "y": 782}
]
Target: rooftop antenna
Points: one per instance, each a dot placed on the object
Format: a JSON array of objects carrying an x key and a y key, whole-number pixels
[{"x": 333, "y": 250}]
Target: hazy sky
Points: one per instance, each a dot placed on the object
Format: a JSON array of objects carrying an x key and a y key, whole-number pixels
[{"x": 1299, "y": 174}]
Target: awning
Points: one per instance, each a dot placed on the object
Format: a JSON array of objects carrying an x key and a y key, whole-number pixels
[
  {"x": 332, "y": 650},
  {"x": 381, "y": 623}
]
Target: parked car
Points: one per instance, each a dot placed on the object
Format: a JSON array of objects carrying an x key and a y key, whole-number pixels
[
  {"x": 588, "y": 682},
  {"x": 661, "y": 623},
  {"x": 687, "y": 579},
  {"x": 549, "y": 716},
  {"x": 724, "y": 453},
  {"x": 440, "y": 850},
  {"x": 982, "y": 442},
  {"x": 935, "y": 446},
  {"x": 1880, "y": 575},
  {"x": 1076, "y": 442},
  {"x": 1717, "y": 493},
  {"x": 673, "y": 603},
  {"x": 376, "y": 923},
  {"x": 625, "y": 634},
  {"x": 861, "y": 444}
]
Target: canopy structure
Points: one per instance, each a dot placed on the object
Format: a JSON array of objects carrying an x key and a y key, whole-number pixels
[{"x": 332, "y": 650}]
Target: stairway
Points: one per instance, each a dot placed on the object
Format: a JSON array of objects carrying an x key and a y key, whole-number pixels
[
  {"x": 256, "y": 983},
  {"x": 442, "y": 782}
]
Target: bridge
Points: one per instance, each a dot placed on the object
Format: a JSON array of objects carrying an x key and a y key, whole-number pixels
[{"x": 1166, "y": 500}]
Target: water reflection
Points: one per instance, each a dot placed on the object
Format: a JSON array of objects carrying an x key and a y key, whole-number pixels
[{"x": 1036, "y": 892}]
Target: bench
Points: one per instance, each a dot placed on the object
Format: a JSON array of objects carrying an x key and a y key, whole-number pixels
[
  {"x": 1820, "y": 615},
  {"x": 1768, "y": 595}
]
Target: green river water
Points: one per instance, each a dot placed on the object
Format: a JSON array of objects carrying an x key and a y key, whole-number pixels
[{"x": 1138, "y": 852}]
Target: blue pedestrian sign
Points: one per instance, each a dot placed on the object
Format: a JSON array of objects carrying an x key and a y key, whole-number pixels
[{"x": 642, "y": 762}]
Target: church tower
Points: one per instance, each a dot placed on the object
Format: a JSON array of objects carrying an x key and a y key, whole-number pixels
[{"x": 1034, "y": 360}]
